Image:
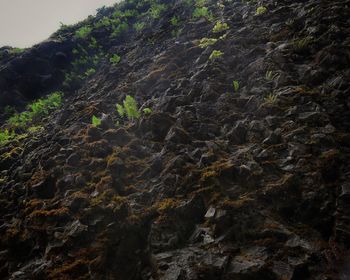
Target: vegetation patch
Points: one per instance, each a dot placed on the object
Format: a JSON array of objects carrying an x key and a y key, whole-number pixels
[
  {"x": 202, "y": 12},
  {"x": 205, "y": 42},
  {"x": 220, "y": 27},
  {"x": 215, "y": 54},
  {"x": 261, "y": 10},
  {"x": 83, "y": 32},
  {"x": 115, "y": 59}
]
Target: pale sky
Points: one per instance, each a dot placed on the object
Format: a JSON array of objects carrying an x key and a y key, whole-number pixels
[{"x": 27, "y": 22}]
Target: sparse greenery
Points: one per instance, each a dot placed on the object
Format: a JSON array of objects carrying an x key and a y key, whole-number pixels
[
  {"x": 205, "y": 42},
  {"x": 200, "y": 3},
  {"x": 270, "y": 99},
  {"x": 90, "y": 72},
  {"x": 235, "y": 85},
  {"x": 302, "y": 44},
  {"x": 138, "y": 26},
  {"x": 95, "y": 121},
  {"x": 83, "y": 32},
  {"x": 17, "y": 50},
  {"x": 120, "y": 110},
  {"x": 6, "y": 136},
  {"x": 104, "y": 22},
  {"x": 117, "y": 30},
  {"x": 270, "y": 75},
  {"x": 202, "y": 12},
  {"x": 24, "y": 121},
  {"x": 36, "y": 111},
  {"x": 147, "y": 111},
  {"x": 115, "y": 59},
  {"x": 129, "y": 108},
  {"x": 93, "y": 44},
  {"x": 220, "y": 27},
  {"x": 156, "y": 10},
  {"x": 174, "y": 21},
  {"x": 215, "y": 54},
  {"x": 261, "y": 10}
]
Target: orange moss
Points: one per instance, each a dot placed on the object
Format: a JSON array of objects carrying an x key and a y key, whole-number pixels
[
  {"x": 330, "y": 154},
  {"x": 208, "y": 174},
  {"x": 305, "y": 90},
  {"x": 61, "y": 212},
  {"x": 32, "y": 205},
  {"x": 166, "y": 204},
  {"x": 239, "y": 203},
  {"x": 104, "y": 184},
  {"x": 77, "y": 268}
]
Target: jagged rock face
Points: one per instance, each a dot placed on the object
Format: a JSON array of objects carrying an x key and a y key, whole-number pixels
[{"x": 214, "y": 183}]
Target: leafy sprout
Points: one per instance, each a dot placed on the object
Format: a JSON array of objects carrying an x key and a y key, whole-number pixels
[
  {"x": 138, "y": 26},
  {"x": 95, "y": 121},
  {"x": 215, "y": 54},
  {"x": 129, "y": 108},
  {"x": 202, "y": 12},
  {"x": 83, "y": 32},
  {"x": 235, "y": 85},
  {"x": 220, "y": 27},
  {"x": 115, "y": 59},
  {"x": 174, "y": 21},
  {"x": 261, "y": 10},
  {"x": 205, "y": 42},
  {"x": 147, "y": 111}
]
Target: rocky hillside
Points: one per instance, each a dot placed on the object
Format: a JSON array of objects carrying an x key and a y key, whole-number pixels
[{"x": 226, "y": 158}]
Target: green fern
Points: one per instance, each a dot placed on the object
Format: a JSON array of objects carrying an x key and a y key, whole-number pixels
[
  {"x": 235, "y": 86},
  {"x": 130, "y": 106},
  {"x": 120, "y": 110},
  {"x": 220, "y": 27},
  {"x": 147, "y": 111},
  {"x": 96, "y": 121},
  {"x": 215, "y": 54}
]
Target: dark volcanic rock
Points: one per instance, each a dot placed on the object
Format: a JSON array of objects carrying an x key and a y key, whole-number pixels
[{"x": 215, "y": 179}]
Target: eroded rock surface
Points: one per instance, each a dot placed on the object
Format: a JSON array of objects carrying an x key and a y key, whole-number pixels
[{"x": 214, "y": 183}]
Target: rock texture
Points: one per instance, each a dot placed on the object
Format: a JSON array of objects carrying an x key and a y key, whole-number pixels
[{"x": 213, "y": 184}]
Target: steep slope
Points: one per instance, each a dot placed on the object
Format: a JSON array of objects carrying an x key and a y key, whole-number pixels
[{"x": 241, "y": 170}]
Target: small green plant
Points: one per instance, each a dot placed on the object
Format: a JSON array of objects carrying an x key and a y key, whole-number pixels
[
  {"x": 83, "y": 32},
  {"x": 129, "y": 108},
  {"x": 130, "y": 13},
  {"x": 302, "y": 44},
  {"x": 104, "y": 22},
  {"x": 117, "y": 30},
  {"x": 270, "y": 99},
  {"x": 138, "y": 26},
  {"x": 6, "y": 136},
  {"x": 220, "y": 27},
  {"x": 205, "y": 42},
  {"x": 115, "y": 59},
  {"x": 156, "y": 10},
  {"x": 174, "y": 21},
  {"x": 270, "y": 75},
  {"x": 120, "y": 110},
  {"x": 147, "y": 111},
  {"x": 215, "y": 54},
  {"x": 202, "y": 12},
  {"x": 17, "y": 50},
  {"x": 93, "y": 44},
  {"x": 200, "y": 3},
  {"x": 95, "y": 121},
  {"x": 260, "y": 10},
  {"x": 175, "y": 33},
  {"x": 90, "y": 72},
  {"x": 235, "y": 85}
]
